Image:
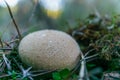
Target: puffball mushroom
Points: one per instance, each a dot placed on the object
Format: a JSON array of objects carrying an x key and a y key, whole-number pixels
[{"x": 49, "y": 50}]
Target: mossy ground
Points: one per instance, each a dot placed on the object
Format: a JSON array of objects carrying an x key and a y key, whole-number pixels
[{"x": 99, "y": 36}]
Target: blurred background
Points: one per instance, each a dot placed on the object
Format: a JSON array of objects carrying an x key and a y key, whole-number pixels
[{"x": 33, "y": 15}]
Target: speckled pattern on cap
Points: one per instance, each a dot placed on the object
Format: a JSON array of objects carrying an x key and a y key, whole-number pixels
[{"x": 49, "y": 49}]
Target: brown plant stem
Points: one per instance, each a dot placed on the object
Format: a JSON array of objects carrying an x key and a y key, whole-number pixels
[
  {"x": 1, "y": 43},
  {"x": 11, "y": 15}
]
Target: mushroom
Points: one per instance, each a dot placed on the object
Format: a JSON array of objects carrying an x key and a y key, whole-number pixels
[{"x": 49, "y": 50}]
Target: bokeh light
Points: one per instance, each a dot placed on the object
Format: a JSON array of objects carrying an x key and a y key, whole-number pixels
[
  {"x": 11, "y": 3},
  {"x": 53, "y": 8}
]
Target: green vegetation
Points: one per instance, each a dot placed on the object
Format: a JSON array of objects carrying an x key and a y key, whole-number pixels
[{"x": 99, "y": 40}]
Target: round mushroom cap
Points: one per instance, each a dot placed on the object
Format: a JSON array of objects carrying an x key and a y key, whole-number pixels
[{"x": 49, "y": 50}]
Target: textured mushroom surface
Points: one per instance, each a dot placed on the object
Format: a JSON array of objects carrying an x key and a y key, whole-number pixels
[{"x": 49, "y": 49}]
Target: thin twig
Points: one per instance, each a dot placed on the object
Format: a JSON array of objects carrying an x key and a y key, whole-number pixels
[
  {"x": 89, "y": 52},
  {"x": 18, "y": 65},
  {"x": 2, "y": 66},
  {"x": 91, "y": 59},
  {"x": 8, "y": 43},
  {"x": 11, "y": 15},
  {"x": 33, "y": 11},
  {"x": 95, "y": 55},
  {"x": 1, "y": 42},
  {"x": 7, "y": 62},
  {"x": 34, "y": 75},
  {"x": 39, "y": 71},
  {"x": 26, "y": 72},
  {"x": 39, "y": 74},
  {"x": 13, "y": 41},
  {"x": 83, "y": 73},
  {"x": 4, "y": 75},
  {"x": 8, "y": 49},
  {"x": 7, "y": 75}
]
